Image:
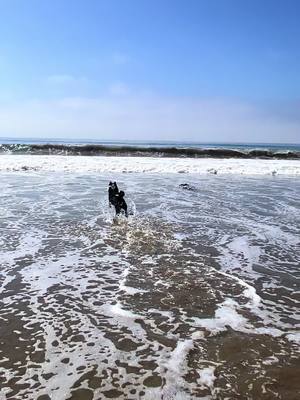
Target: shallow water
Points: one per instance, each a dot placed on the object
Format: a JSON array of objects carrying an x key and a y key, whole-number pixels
[{"x": 195, "y": 296}]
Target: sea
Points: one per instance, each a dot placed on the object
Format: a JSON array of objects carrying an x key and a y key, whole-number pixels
[{"x": 196, "y": 295}]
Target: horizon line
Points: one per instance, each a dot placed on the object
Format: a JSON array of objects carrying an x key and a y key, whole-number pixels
[{"x": 145, "y": 141}]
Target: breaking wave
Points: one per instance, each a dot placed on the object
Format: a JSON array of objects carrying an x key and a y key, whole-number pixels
[{"x": 114, "y": 150}]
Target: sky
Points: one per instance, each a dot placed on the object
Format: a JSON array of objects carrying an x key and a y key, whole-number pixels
[{"x": 190, "y": 70}]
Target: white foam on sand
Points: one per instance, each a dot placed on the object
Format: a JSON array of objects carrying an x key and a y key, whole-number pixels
[
  {"x": 29, "y": 245},
  {"x": 177, "y": 360},
  {"x": 173, "y": 370},
  {"x": 238, "y": 257},
  {"x": 128, "y": 289},
  {"x": 294, "y": 337},
  {"x": 148, "y": 165},
  {"x": 207, "y": 378},
  {"x": 173, "y": 366},
  {"x": 225, "y": 315},
  {"x": 239, "y": 253}
]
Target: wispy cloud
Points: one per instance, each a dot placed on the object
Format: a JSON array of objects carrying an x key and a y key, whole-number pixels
[
  {"x": 144, "y": 116},
  {"x": 65, "y": 79}
]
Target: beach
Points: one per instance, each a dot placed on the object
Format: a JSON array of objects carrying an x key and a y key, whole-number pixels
[
  {"x": 149, "y": 200},
  {"x": 196, "y": 295}
]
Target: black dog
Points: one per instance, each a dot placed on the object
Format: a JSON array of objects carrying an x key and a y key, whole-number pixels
[
  {"x": 116, "y": 198},
  {"x": 113, "y": 191}
]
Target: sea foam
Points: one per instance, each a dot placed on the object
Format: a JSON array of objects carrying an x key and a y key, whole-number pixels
[{"x": 148, "y": 165}]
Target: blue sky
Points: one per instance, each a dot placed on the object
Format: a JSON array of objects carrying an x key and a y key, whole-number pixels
[{"x": 217, "y": 70}]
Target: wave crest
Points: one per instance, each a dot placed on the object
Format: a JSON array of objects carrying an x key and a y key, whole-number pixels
[{"x": 113, "y": 150}]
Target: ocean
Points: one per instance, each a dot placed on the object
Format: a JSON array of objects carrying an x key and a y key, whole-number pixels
[
  {"x": 158, "y": 143},
  {"x": 194, "y": 296},
  {"x": 149, "y": 148}
]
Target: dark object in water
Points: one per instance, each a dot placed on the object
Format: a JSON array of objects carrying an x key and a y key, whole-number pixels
[
  {"x": 116, "y": 198},
  {"x": 120, "y": 203},
  {"x": 186, "y": 186},
  {"x": 113, "y": 191}
]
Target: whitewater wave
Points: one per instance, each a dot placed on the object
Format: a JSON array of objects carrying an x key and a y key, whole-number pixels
[{"x": 153, "y": 165}]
